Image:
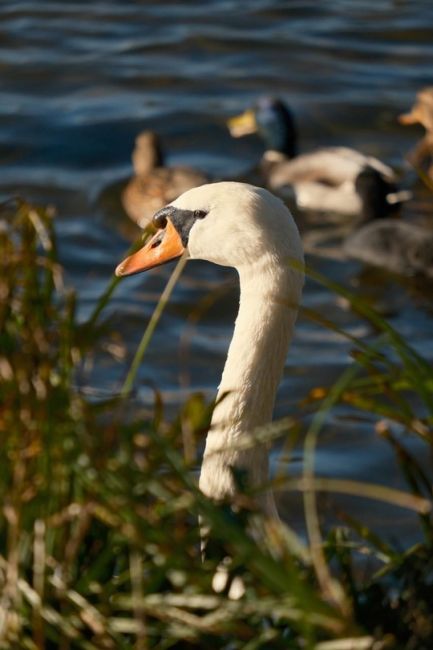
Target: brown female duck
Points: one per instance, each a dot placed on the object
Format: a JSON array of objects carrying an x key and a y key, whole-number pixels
[
  {"x": 422, "y": 113},
  {"x": 153, "y": 185}
]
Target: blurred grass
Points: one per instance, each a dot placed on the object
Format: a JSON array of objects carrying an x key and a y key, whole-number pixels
[{"x": 99, "y": 541}]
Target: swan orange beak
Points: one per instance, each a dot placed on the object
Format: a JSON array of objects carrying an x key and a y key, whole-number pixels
[{"x": 166, "y": 245}]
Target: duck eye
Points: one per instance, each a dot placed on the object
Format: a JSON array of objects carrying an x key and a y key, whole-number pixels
[{"x": 200, "y": 214}]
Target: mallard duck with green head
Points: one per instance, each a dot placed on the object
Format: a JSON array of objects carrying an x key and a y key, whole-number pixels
[{"x": 332, "y": 179}]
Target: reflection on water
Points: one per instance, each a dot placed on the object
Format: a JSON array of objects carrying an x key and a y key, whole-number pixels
[{"x": 79, "y": 80}]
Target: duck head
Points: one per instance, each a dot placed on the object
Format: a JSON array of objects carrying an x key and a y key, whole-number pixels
[
  {"x": 147, "y": 154},
  {"x": 422, "y": 110},
  {"x": 274, "y": 123}
]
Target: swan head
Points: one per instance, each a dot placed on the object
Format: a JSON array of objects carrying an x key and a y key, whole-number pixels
[
  {"x": 227, "y": 223},
  {"x": 274, "y": 123}
]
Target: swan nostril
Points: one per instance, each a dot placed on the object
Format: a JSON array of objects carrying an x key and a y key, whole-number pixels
[{"x": 157, "y": 242}]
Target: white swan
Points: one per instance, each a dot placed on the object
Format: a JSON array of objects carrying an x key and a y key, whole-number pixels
[{"x": 234, "y": 224}]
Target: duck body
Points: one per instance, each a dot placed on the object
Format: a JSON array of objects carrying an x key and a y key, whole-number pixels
[
  {"x": 246, "y": 227},
  {"x": 324, "y": 180},
  {"x": 398, "y": 246},
  {"x": 153, "y": 184}
]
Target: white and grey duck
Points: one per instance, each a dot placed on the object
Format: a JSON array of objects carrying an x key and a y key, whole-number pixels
[
  {"x": 323, "y": 180},
  {"x": 402, "y": 247},
  {"x": 394, "y": 245}
]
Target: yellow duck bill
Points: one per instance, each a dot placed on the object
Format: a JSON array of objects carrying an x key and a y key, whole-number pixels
[{"x": 241, "y": 125}]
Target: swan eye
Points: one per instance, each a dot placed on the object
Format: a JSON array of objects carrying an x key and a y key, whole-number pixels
[{"x": 200, "y": 214}]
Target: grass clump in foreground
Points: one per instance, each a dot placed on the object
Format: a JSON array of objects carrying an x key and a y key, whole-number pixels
[{"x": 99, "y": 542}]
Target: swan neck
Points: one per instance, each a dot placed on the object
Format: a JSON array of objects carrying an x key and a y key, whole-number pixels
[
  {"x": 253, "y": 370},
  {"x": 258, "y": 349}
]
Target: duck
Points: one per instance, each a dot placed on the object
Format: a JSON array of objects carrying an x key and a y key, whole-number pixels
[
  {"x": 153, "y": 184},
  {"x": 398, "y": 246},
  {"x": 323, "y": 180},
  {"x": 250, "y": 229},
  {"x": 422, "y": 113}
]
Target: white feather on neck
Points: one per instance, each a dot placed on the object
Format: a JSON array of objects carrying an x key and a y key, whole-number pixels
[{"x": 269, "y": 296}]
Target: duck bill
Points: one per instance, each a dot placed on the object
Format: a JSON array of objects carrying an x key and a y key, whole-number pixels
[
  {"x": 409, "y": 118},
  {"x": 241, "y": 125},
  {"x": 165, "y": 246}
]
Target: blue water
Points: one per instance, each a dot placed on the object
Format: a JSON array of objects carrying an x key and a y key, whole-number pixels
[{"x": 79, "y": 80}]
